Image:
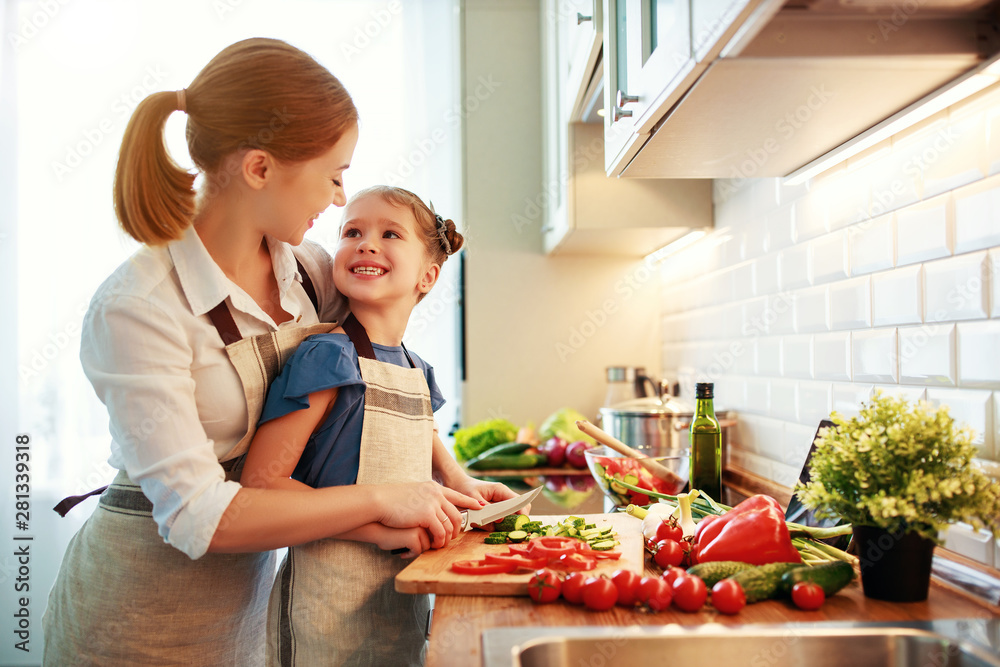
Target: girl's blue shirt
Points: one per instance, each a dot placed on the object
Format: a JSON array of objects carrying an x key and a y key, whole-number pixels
[{"x": 324, "y": 361}]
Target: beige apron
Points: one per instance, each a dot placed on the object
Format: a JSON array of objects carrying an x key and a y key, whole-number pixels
[
  {"x": 124, "y": 597},
  {"x": 334, "y": 601}
]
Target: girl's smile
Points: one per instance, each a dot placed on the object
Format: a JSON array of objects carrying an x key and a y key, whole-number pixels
[{"x": 382, "y": 256}]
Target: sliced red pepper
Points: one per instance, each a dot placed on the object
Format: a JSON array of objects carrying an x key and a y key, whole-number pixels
[
  {"x": 605, "y": 555},
  {"x": 481, "y": 567},
  {"x": 574, "y": 562},
  {"x": 553, "y": 547},
  {"x": 517, "y": 561},
  {"x": 522, "y": 549}
]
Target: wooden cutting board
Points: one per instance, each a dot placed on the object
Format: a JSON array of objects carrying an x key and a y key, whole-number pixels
[{"x": 430, "y": 572}]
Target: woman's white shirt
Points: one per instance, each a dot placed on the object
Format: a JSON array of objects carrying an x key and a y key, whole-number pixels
[{"x": 175, "y": 401}]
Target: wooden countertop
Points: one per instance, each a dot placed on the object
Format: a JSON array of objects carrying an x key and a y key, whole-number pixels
[{"x": 459, "y": 621}]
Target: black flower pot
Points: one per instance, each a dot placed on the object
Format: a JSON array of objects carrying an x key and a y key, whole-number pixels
[{"x": 894, "y": 566}]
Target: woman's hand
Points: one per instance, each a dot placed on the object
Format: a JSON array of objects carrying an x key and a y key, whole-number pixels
[
  {"x": 425, "y": 505},
  {"x": 489, "y": 492},
  {"x": 414, "y": 540}
]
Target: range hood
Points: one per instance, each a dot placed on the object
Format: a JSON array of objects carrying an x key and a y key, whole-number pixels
[{"x": 803, "y": 77}]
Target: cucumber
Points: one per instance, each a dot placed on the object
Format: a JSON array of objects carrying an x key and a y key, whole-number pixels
[
  {"x": 507, "y": 523},
  {"x": 830, "y": 576},
  {"x": 517, "y": 536},
  {"x": 521, "y": 521},
  {"x": 507, "y": 448},
  {"x": 714, "y": 572},
  {"x": 605, "y": 545},
  {"x": 507, "y": 462},
  {"x": 761, "y": 582},
  {"x": 497, "y": 537}
]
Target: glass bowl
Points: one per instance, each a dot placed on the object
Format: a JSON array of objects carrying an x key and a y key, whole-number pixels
[{"x": 638, "y": 472}]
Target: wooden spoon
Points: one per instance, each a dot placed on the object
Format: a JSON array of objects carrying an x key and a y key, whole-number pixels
[{"x": 656, "y": 468}]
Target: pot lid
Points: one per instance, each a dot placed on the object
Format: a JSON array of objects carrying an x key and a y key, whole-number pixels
[{"x": 668, "y": 405}]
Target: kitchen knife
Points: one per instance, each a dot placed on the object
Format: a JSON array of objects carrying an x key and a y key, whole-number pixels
[{"x": 496, "y": 511}]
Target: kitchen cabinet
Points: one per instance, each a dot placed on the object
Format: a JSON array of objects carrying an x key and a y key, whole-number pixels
[
  {"x": 654, "y": 51},
  {"x": 585, "y": 212}
]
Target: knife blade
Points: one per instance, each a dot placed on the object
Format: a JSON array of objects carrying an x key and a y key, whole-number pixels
[{"x": 495, "y": 511}]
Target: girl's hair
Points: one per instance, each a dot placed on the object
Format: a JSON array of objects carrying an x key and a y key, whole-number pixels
[
  {"x": 441, "y": 238},
  {"x": 257, "y": 93}
]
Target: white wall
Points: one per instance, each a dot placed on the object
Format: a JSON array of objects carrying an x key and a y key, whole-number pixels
[
  {"x": 540, "y": 330},
  {"x": 880, "y": 274}
]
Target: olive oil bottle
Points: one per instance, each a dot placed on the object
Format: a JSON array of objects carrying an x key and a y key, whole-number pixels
[{"x": 706, "y": 444}]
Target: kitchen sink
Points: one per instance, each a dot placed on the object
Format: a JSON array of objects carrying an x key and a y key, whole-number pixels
[{"x": 946, "y": 643}]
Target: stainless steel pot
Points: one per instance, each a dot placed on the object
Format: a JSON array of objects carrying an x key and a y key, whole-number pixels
[{"x": 655, "y": 425}]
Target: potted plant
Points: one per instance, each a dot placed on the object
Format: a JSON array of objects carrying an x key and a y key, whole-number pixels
[{"x": 900, "y": 474}]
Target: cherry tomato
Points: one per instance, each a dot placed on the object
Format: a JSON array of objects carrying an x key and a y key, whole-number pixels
[
  {"x": 808, "y": 596},
  {"x": 690, "y": 553},
  {"x": 671, "y": 573},
  {"x": 689, "y": 592},
  {"x": 626, "y": 582},
  {"x": 669, "y": 530},
  {"x": 728, "y": 597},
  {"x": 544, "y": 586},
  {"x": 572, "y": 587},
  {"x": 599, "y": 594},
  {"x": 654, "y": 592},
  {"x": 668, "y": 553}
]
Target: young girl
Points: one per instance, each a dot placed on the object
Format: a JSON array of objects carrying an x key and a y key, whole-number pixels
[
  {"x": 355, "y": 407},
  {"x": 181, "y": 343}
]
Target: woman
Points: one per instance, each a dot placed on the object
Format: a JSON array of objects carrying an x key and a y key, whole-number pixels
[{"x": 181, "y": 342}]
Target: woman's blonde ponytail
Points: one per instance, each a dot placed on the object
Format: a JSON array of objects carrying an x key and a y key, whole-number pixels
[{"x": 154, "y": 196}]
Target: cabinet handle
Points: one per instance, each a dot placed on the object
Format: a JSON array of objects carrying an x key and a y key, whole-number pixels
[
  {"x": 580, "y": 18},
  {"x": 621, "y": 99},
  {"x": 620, "y": 113},
  {"x": 546, "y": 229}
]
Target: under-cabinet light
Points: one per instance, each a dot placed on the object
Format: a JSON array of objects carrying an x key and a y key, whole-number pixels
[
  {"x": 673, "y": 247},
  {"x": 970, "y": 83}
]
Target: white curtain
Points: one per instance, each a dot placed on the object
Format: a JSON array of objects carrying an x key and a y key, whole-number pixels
[{"x": 79, "y": 70}]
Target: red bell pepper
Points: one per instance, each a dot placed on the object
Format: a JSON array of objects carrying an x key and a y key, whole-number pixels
[{"x": 752, "y": 532}]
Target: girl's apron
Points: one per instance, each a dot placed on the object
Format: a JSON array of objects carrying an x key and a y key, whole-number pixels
[
  {"x": 125, "y": 597},
  {"x": 334, "y": 601}
]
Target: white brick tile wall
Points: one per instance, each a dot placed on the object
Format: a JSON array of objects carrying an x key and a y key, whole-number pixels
[
  {"x": 847, "y": 398},
  {"x": 812, "y": 311},
  {"x": 872, "y": 245},
  {"x": 796, "y": 356},
  {"x": 957, "y": 288},
  {"x": 979, "y": 354},
  {"x": 784, "y": 400},
  {"x": 874, "y": 356},
  {"x": 993, "y": 269},
  {"x": 815, "y": 401},
  {"x": 927, "y": 355},
  {"x": 829, "y": 257},
  {"x": 881, "y": 274},
  {"x": 969, "y": 407},
  {"x": 969, "y": 542},
  {"x": 923, "y": 231},
  {"x": 955, "y": 155},
  {"x": 977, "y": 215},
  {"x": 769, "y": 356},
  {"x": 766, "y": 275},
  {"x": 793, "y": 267},
  {"x": 851, "y": 304},
  {"x": 896, "y": 296},
  {"x": 832, "y": 356},
  {"x": 780, "y": 225}
]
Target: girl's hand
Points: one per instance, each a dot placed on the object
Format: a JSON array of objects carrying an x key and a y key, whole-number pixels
[
  {"x": 414, "y": 540},
  {"x": 426, "y": 505},
  {"x": 490, "y": 492}
]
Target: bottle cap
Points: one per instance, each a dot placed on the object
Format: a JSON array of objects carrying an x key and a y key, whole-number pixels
[{"x": 704, "y": 389}]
